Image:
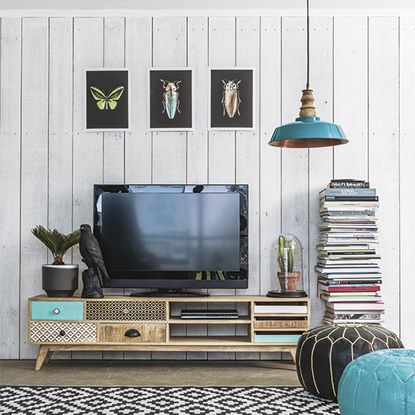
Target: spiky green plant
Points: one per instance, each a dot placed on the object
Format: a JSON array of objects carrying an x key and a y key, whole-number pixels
[
  {"x": 57, "y": 243},
  {"x": 286, "y": 254}
]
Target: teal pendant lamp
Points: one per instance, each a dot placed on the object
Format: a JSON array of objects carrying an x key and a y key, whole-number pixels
[{"x": 308, "y": 130}]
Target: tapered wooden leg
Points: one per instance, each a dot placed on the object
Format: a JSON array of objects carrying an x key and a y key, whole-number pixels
[
  {"x": 48, "y": 356},
  {"x": 41, "y": 357}
]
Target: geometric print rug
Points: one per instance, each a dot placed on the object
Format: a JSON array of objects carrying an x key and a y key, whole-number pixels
[{"x": 40, "y": 400}]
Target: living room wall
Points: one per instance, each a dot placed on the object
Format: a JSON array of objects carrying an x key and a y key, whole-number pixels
[{"x": 361, "y": 71}]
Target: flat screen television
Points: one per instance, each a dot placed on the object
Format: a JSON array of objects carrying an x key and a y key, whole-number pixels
[{"x": 173, "y": 237}]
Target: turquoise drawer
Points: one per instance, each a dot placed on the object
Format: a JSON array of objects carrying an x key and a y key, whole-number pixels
[
  {"x": 277, "y": 338},
  {"x": 57, "y": 310}
]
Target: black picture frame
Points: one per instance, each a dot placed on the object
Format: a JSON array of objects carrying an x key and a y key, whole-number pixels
[
  {"x": 107, "y": 114},
  {"x": 238, "y": 111},
  {"x": 167, "y": 115}
]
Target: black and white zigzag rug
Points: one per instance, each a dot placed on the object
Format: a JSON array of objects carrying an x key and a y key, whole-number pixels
[{"x": 162, "y": 401}]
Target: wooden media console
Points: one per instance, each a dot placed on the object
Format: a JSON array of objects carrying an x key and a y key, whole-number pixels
[{"x": 150, "y": 324}]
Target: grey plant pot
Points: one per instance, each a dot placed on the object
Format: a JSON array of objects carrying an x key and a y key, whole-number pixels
[{"x": 60, "y": 280}]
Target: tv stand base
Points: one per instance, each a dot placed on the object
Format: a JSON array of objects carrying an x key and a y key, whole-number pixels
[{"x": 154, "y": 324}]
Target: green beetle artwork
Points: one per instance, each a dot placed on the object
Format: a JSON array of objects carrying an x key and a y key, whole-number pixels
[
  {"x": 231, "y": 99},
  {"x": 170, "y": 99},
  {"x": 171, "y": 102}
]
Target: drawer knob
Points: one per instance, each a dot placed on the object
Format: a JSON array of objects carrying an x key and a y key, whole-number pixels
[
  {"x": 62, "y": 333},
  {"x": 125, "y": 311},
  {"x": 56, "y": 311},
  {"x": 132, "y": 333}
]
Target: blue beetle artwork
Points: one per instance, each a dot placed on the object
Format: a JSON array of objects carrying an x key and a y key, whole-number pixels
[{"x": 171, "y": 102}]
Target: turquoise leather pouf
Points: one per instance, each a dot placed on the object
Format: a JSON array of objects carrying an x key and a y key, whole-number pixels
[{"x": 379, "y": 383}]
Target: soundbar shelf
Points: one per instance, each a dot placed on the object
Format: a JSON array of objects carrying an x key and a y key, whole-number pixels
[{"x": 239, "y": 320}]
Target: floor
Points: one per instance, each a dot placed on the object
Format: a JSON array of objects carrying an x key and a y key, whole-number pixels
[{"x": 149, "y": 373}]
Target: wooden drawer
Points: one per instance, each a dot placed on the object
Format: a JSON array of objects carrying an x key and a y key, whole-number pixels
[
  {"x": 60, "y": 332},
  {"x": 147, "y": 333},
  {"x": 278, "y": 338},
  {"x": 280, "y": 324},
  {"x": 57, "y": 310},
  {"x": 126, "y": 310}
]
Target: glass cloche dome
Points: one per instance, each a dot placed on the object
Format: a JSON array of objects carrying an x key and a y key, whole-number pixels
[{"x": 289, "y": 267}]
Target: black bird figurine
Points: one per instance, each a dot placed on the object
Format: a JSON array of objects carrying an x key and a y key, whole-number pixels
[{"x": 91, "y": 254}]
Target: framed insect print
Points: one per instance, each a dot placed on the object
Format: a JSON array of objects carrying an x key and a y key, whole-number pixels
[
  {"x": 231, "y": 99},
  {"x": 170, "y": 99},
  {"x": 107, "y": 106}
]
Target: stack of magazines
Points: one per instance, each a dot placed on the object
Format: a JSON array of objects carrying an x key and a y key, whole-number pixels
[{"x": 348, "y": 261}]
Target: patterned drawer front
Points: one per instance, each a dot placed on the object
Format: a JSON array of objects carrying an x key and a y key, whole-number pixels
[
  {"x": 280, "y": 324},
  {"x": 126, "y": 310},
  {"x": 57, "y": 310},
  {"x": 48, "y": 332}
]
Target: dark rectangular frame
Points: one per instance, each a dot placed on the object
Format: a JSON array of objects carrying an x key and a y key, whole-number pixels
[
  {"x": 185, "y": 283},
  {"x": 85, "y": 112}
]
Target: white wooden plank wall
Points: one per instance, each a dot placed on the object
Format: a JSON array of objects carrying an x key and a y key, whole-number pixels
[
  {"x": 88, "y": 148},
  {"x": 407, "y": 153},
  {"x": 320, "y": 160},
  {"x": 294, "y": 162},
  {"x": 60, "y": 130},
  {"x": 361, "y": 72},
  {"x": 383, "y": 130},
  {"x": 197, "y": 142},
  {"x": 10, "y": 173},
  {"x": 34, "y": 162},
  {"x": 222, "y": 150}
]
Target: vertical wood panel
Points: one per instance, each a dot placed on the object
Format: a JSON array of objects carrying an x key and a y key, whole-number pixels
[
  {"x": 384, "y": 152},
  {"x": 138, "y": 50},
  {"x": 114, "y": 58},
  {"x": 320, "y": 159},
  {"x": 407, "y": 156},
  {"x": 60, "y": 130},
  {"x": 34, "y": 190},
  {"x": 247, "y": 143},
  {"x": 197, "y": 140},
  {"x": 247, "y": 155},
  {"x": 169, "y": 148},
  {"x": 270, "y": 157},
  {"x": 88, "y": 147},
  {"x": 114, "y": 141},
  {"x": 138, "y": 152},
  {"x": 222, "y": 143},
  {"x": 222, "y": 169},
  {"x": 10, "y": 61},
  {"x": 350, "y": 95},
  {"x": 294, "y": 161},
  {"x": 60, "y": 125}
]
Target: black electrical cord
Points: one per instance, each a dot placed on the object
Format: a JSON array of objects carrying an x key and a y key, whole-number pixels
[{"x": 308, "y": 44}]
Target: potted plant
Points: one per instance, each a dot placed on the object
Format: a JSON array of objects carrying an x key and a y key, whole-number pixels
[
  {"x": 58, "y": 279},
  {"x": 290, "y": 262}
]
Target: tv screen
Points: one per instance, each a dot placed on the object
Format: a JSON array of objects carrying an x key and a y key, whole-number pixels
[{"x": 173, "y": 236}]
